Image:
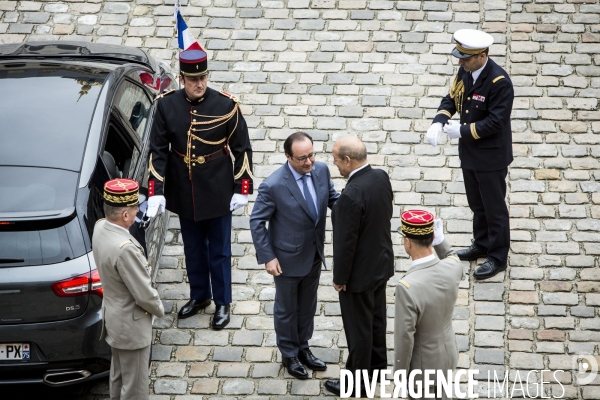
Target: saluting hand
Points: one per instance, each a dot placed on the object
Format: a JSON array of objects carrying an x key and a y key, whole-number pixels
[
  {"x": 273, "y": 267},
  {"x": 438, "y": 232}
]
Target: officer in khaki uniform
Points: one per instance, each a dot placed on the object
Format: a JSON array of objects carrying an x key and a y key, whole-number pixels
[
  {"x": 129, "y": 300},
  {"x": 482, "y": 95},
  {"x": 425, "y": 298}
]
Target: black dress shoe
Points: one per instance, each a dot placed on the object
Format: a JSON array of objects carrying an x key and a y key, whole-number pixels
[
  {"x": 221, "y": 318},
  {"x": 308, "y": 358},
  {"x": 333, "y": 385},
  {"x": 472, "y": 253},
  {"x": 295, "y": 367},
  {"x": 488, "y": 269},
  {"x": 192, "y": 307}
]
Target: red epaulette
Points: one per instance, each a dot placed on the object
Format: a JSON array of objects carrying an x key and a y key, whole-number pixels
[{"x": 232, "y": 97}]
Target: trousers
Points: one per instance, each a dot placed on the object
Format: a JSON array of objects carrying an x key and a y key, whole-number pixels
[
  {"x": 129, "y": 374},
  {"x": 486, "y": 192},
  {"x": 207, "y": 249},
  {"x": 364, "y": 318},
  {"x": 294, "y": 309}
]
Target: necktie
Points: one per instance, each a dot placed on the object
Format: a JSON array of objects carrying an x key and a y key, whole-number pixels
[
  {"x": 472, "y": 82},
  {"x": 312, "y": 210}
]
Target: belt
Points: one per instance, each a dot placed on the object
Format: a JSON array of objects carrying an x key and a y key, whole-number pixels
[{"x": 202, "y": 159}]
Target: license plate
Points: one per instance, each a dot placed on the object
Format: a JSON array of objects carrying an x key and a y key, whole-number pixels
[{"x": 14, "y": 351}]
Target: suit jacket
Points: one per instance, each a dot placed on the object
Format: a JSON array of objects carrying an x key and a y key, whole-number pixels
[
  {"x": 208, "y": 193},
  {"x": 486, "y": 136},
  {"x": 362, "y": 241},
  {"x": 293, "y": 236},
  {"x": 129, "y": 298},
  {"x": 425, "y": 298}
]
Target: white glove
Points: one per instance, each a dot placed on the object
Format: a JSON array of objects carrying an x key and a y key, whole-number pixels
[
  {"x": 237, "y": 201},
  {"x": 452, "y": 128},
  {"x": 434, "y": 133},
  {"x": 154, "y": 203},
  {"x": 438, "y": 232}
]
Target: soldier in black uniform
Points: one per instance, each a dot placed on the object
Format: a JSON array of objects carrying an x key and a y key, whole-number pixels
[
  {"x": 194, "y": 132},
  {"x": 482, "y": 94}
]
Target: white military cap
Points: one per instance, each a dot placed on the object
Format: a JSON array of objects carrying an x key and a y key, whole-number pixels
[{"x": 470, "y": 42}]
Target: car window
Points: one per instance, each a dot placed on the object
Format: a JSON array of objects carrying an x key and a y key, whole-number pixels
[
  {"x": 134, "y": 106},
  {"x": 40, "y": 243},
  {"x": 28, "y": 189},
  {"x": 45, "y": 113}
]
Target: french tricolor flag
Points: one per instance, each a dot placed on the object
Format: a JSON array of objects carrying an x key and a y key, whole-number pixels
[{"x": 185, "y": 39}]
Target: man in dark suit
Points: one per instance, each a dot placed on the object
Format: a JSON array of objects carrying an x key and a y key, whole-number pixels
[
  {"x": 363, "y": 258},
  {"x": 482, "y": 94},
  {"x": 294, "y": 201}
]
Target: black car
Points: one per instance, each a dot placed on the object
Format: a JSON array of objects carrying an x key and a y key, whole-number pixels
[{"x": 72, "y": 116}]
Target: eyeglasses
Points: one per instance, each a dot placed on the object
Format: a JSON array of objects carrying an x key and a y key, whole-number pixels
[{"x": 303, "y": 159}]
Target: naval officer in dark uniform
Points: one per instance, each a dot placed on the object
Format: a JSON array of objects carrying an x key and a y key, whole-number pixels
[
  {"x": 195, "y": 131},
  {"x": 482, "y": 94}
]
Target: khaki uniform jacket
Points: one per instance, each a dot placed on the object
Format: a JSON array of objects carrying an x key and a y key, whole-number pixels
[
  {"x": 425, "y": 298},
  {"x": 129, "y": 298}
]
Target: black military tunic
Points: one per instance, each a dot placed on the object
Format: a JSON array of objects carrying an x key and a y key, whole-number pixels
[
  {"x": 484, "y": 109},
  {"x": 190, "y": 149}
]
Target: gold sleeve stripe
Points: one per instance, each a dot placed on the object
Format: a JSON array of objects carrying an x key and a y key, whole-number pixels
[
  {"x": 406, "y": 284},
  {"x": 474, "y": 131},
  {"x": 454, "y": 258},
  {"x": 445, "y": 113},
  {"x": 245, "y": 168},
  {"x": 151, "y": 169},
  {"x": 498, "y": 78},
  {"x": 124, "y": 243}
]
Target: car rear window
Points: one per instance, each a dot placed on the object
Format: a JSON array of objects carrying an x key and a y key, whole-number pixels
[
  {"x": 30, "y": 243},
  {"x": 37, "y": 221},
  {"x": 31, "y": 190},
  {"x": 45, "y": 113}
]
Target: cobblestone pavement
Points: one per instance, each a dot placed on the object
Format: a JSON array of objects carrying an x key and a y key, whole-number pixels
[{"x": 377, "y": 69}]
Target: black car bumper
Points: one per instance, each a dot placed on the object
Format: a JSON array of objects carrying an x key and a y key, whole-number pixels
[{"x": 62, "y": 352}]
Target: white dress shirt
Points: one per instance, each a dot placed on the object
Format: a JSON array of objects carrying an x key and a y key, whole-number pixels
[
  {"x": 309, "y": 183},
  {"x": 477, "y": 73},
  {"x": 422, "y": 260},
  {"x": 356, "y": 170}
]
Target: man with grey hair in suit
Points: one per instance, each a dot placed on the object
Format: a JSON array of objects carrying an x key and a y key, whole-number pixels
[
  {"x": 129, "y": 300},
  {"x": 425, "y": 298},
  {"x": 293, "y": 200}
]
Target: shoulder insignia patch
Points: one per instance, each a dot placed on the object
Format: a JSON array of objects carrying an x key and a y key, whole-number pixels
[
  {"x": 101, "y": 219},
  {"x": 232, "y": 97},
  {"x": 406, "y": 284},
  {"x": 496, "y": 79},
  {"x": 160, "y": 96},
  {"x": 124, "y": 243},
  {"x": 454, "y": 258}
]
